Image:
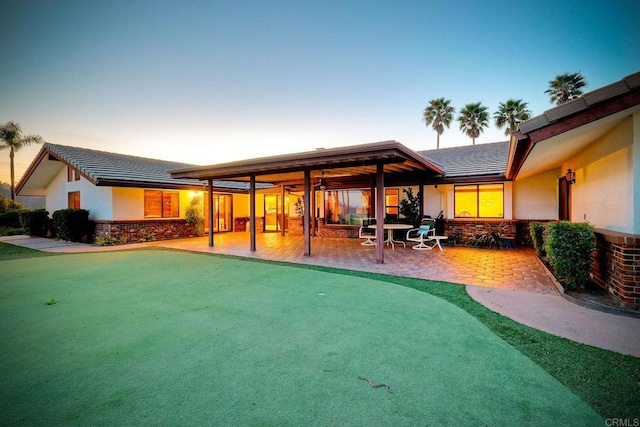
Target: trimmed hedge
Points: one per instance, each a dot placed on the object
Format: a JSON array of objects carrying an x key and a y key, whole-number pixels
[
  {"x": 73, "y": 225},
  {"x": 569, "y": 246},
  {"x": 10, "y": 219},
  {"x": 36, "y": 222},
  {"x": 536, "y": 229}
]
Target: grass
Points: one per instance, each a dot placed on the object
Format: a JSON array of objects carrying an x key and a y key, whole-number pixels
[{"x": 231, "y": 334}]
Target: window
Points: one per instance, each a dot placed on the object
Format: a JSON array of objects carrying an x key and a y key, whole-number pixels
[
  {"x": 74, "y": 200},
  {"x": 391, "y": 197},
  {"x": 347, "y": 206},
  {"x": 72, "y": 174},
  {"x": 479, "y": 201},
  {"x": 161, "y": 204}
]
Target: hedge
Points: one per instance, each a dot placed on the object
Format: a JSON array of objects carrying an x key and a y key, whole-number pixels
[
  {"x": 536, "y": 229},
  {"x": 73, "y": 225},
  {"x": 36, "y": 222},
  {"x": 569, "y": 246}
]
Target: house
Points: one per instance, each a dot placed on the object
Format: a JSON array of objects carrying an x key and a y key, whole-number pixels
[
  {"x": 128, "y": 197},
  {"x": 579, "y": 161}
]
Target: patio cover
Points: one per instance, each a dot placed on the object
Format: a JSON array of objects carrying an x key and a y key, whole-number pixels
[{"x": 352, "y": 165}]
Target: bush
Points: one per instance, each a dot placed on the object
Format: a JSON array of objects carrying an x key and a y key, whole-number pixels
[
  {"x": 73, "y": 225},
  {"x": 36, "y": 222},
  {"x": 10, "y": 219},
  {"x": 194, "y": 216},
  {"x": 569, "y": 246},
  {"x": 8, "y": 205},
  {"x": 536, "y": 229}
]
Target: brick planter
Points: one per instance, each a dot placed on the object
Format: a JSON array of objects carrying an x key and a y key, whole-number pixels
[{"x": 616, "y": 266}]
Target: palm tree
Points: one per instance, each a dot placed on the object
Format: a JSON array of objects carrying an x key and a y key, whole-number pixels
[
  {"x": 12, "y": 139},
  {"x": 566, "y": 87},
  {"x": 438, "y": 114},
  {"x": 473, "y": 119},
  {"x": 510, "y": 114}
]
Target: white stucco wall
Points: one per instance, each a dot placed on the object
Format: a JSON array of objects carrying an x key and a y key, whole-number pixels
[
  {"x": 95, "y": 199},
  {"x": 536, "y": 197},
  {"x": 603, "y": 193},
  {"x": 433, "y": 200}
]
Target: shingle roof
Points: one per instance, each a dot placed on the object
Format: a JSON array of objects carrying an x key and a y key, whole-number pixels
[
  {"x": 112, "y": 169},
  {"x": 471, "y": 160}
]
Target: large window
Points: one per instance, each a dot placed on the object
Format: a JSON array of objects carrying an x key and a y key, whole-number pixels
[
  {"x": 161, "y": 204},
  {"x": 479, "y": 201},
  {"x": 347, "y": 206}
]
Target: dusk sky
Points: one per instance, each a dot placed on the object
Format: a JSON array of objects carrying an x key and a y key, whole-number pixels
[{"x": 206, "y": 82}]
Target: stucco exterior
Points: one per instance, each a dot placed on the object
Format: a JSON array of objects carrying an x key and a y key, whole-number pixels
[
  {"x": 604, "y": 193},
  {"x": 536, "y": 197}
]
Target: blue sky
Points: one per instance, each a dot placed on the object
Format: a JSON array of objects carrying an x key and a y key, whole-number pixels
[{"x": 212, "y": 81}]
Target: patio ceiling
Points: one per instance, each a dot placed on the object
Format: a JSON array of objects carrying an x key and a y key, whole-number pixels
[{"x": 344, "y": 165}]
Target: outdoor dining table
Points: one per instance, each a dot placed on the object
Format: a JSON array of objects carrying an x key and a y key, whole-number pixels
[{"x": 391, "y": 228}]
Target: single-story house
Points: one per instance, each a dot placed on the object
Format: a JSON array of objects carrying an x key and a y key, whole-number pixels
[{"x": 579, "y": 161}]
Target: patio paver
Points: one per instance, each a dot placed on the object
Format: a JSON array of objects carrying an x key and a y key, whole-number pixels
[{"x": 513, "y": 269}]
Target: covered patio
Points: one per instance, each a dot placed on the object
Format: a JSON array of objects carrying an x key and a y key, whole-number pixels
[
  {"x": 511, "y": 269},
  {"x": 373, "y": 166}
]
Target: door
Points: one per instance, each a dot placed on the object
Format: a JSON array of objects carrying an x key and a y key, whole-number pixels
[
  {"x": 273, "y": 220},
  {"x": 222, "y": 212},
  {"x": 564, "y": 200}
]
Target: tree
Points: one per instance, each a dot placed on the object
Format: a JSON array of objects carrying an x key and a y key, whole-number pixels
[
  {"x": 473, "y": 119},
  {"x": 438, "y": 114},
  {"x": 566, "y": 87},
  {"x": 510, "y": 114},
  {"x": 13, "y": 140}
]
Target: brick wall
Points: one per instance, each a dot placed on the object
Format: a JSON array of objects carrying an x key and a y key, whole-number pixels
[
  {"x": 616, "y": 266},
  {"x": 460, "y": 230},
  {"x": 136, "y": 231}
]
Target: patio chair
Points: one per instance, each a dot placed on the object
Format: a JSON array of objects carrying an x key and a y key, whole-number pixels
[
  {"x": 368, "y": 231},
  {"x": 423, "y": 235}
]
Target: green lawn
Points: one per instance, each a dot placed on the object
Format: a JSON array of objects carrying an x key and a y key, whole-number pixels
[{"x": 163, "y": 337}]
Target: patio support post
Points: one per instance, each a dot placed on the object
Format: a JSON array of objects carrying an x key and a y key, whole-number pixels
[
  {"x": 210, "y": 210},
  {"x": 307, "y": 213},
  {"x": 380, "y": 213},
  {"x": 282, "y": 216},
  {"x": 252, "y": 214}
]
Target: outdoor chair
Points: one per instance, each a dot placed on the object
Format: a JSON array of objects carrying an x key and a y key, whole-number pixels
[
  {"x": 423, "y": 235},
  {"x": 368, "y": 231}
]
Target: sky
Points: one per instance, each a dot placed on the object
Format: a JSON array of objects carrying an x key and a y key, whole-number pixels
[{"x": 207, "y": 82}]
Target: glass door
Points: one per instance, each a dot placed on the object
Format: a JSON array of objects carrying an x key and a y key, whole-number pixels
[
  {"x": 222, "y": 212},
  {"x": 273, "y": 212}
]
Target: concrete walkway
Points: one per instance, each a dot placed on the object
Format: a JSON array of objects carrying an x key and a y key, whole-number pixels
[{"x": 512, "y": 283}]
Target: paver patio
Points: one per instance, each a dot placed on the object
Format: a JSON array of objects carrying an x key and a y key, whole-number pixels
[{"x": 514, "y": 269}]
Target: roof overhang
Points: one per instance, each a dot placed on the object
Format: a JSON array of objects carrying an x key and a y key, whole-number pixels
[
  {"x": 546, "y": 141},
  {"x": 337, "y": 165}
]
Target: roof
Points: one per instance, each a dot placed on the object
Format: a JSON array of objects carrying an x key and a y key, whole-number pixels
[
  {"x": 482, "y": 160},
  {"x": 111, "y": 169},
  {"x": 336, "y": 165},
  {"x": 568, "y": 128}
]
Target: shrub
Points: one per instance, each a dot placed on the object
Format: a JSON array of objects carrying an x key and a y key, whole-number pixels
[
  {"x": 536, "y": 229},
  {"x": 10, "y": 219},
  {"x": 194, "y": 215},
  {"x": 410, "y": 207},
  {"x": 486, "y": 238},
  {"x": 568, "y": 246},
  {"x": 11, "y": 231},
  {"x": 106, "y": 241},
  {"x": 8, "y": 205},
  {"x": 35, "y": 222},
  {"x": 73, "y": 225}
]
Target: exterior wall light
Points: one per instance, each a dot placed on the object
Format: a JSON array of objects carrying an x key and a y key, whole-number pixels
[{"x": 570, "y": 176}]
